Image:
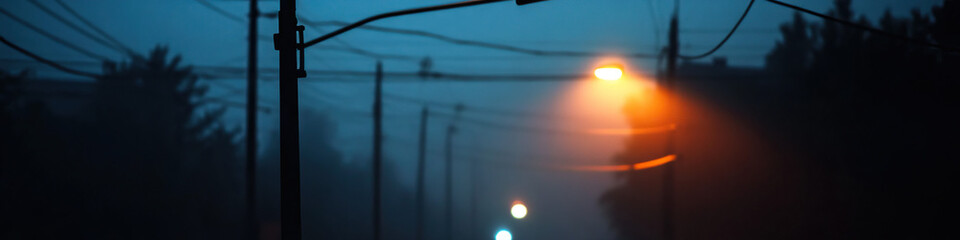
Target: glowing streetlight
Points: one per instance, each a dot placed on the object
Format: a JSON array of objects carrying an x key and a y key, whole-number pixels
[
  {"x": 609, "y": 73},
  {"x": 518, "y": 210},
  {"x": 503, "y": 234}
]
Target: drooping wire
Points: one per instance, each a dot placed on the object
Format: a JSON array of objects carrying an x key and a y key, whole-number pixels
[
  {"x": 53, "y": 37},
  {"x": 74, "y": 26},
  {"x": 868, "y": 29},
  {"x": 478, "y": 109},
  {"x": 265, "y": 38},
  {"x": 655, "y": 22},
  {"x": 48, "y": 62},
  {"x": 489, "y": 45},
  {"x": 350, "y": 48},
  {"x": 94, "y": 27},
  {"x": 720, "y": 44},
  {"x": 219, "y": 10}
]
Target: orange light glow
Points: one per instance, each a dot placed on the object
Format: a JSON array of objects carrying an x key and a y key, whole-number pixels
[
  {"x": 622, "y": 168},
  {"x": 609, "y": 73},
  {"x": 632, "y": 131},
  {"x": 655, "y": 162}
]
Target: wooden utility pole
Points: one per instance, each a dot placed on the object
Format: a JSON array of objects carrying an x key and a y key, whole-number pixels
[
  {"x": 421, "y": 167},
  {"x": 254, "y": 223},
  {"x": 448, "y": 154},
  {"x": 377, "y": 149},
  {"x": 286, "y": 43}
]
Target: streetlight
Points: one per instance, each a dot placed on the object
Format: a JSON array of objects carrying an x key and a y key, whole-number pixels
[
  {"x": 518, "y": 210},
  {"x": 503, "y": 234},
  {"x": 609, "y": 72}
]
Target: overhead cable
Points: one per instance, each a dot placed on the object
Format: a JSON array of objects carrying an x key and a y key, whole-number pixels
[
  {"x": 720, "y": 44},
  {"x": 483, "y": 44},
  {"x": 93, "y": 26},
  {"x": 74, "y": 26},
  {"x": 53, "y": 37},
  {"x": 48, "y": 62}
]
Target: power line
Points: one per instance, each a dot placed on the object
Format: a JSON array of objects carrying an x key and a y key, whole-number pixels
[
  {"x": 48, "y": 62},
  {"x": 236, "y": 104},
  {"x": 655, "y": 20},
  {"x": 525, "y": 128},
  {"x": 868, "y": 29},
  {"x": 93, "y": 26},
  {"x": 219, "y": 10},
  {"x": 52, "y": 37},
  {"x": 557, "y": 131},
  {"x": 732, "y": 30},
  {"x": 350, "y": 48},
  {"x": 471, "y": 108},
  {"x": 73, "y": 26},
  {"x": 414, "y": 76},
  {"x": 490, "y": 45}
]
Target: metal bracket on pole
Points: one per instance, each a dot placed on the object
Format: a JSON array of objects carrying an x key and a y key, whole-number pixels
[{"x": 301, "y": 71}]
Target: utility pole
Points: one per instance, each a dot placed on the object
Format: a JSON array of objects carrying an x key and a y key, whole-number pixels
[
  {"x": 377, "y": 149},
  {"x": 448, "y": 154},
  {"x": 286, "y": 43},
  {"x": 474, "y": 180},
  {"x": 670, "y": 168},
  {"x": 421, "y": 167},
  {"x": 254, "y": 227}
]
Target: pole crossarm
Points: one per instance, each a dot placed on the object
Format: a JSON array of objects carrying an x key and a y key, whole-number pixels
[{"x": 395, "y": 14}]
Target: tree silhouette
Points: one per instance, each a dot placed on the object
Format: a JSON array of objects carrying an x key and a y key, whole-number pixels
[
  {"x": 148, "y": 159},
  {"x": 168, "y": 145}
]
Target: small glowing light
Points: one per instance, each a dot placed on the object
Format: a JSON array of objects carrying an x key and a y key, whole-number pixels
[
  {"x": 518, "y": 210},
  {"x": 609, "y": 73},
  {"x": 503, "y": 235}
]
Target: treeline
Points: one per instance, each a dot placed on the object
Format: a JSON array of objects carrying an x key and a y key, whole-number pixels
[
  {"x": 145, "y": 154},
  {"x": 145, "y": 158}
]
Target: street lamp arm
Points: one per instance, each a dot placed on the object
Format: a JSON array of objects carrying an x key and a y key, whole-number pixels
[{"x": 394, "y": 14}]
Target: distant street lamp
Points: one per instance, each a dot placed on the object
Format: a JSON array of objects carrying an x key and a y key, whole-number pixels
[
  {"x": 609, "y": 73},
  {"x": 518, "y": 210},
  {"x": 503, "y": 234}
]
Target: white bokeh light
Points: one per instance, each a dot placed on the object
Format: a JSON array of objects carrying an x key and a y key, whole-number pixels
[
  {"x": 518, "y": 210},
  {"x": 503, "y": 235}
]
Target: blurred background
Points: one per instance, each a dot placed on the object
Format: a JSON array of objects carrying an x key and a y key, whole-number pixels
[{"x": 555, "y": 120}]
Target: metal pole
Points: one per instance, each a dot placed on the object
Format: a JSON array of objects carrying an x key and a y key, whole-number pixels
[
  {"x": 421, "y": 167},
  {"x": 286, "y": 43},
  {"x": 448, "y": 154},
  {"x": 377, "y": 150},
  {"x": 474, "y": 181},
  {"x": 669, "y": 168},
  {"x": 254, "y": 226}
]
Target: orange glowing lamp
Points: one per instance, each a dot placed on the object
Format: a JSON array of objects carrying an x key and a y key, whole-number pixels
[{"x": 609, "y": 72}]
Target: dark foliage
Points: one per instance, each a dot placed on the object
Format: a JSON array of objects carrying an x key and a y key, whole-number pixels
[{"x": 151, "y": 161}]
